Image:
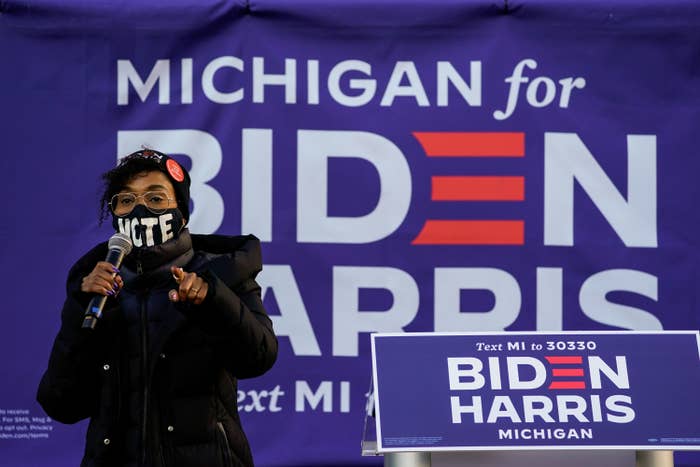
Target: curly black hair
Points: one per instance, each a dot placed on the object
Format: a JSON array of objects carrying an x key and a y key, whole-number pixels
[{"x": 116, "y": 179}]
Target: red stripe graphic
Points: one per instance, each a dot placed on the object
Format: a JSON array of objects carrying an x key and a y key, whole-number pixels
[
  {"x": 564, "y": 360},
  {"x": 567, "y": 372},
  {"x": 567, "y": 385},
  {"x": 457, "y": 188},
  {"x": 467, "y": 144},
  {"x": 461, "y": 232},
  {"x": 473, "y": 188}
]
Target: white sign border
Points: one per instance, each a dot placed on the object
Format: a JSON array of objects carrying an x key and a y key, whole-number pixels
[{"x": 381, "y": 449}]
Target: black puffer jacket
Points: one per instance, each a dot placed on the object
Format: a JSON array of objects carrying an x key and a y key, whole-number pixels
[{"x": 158, "y": 380}]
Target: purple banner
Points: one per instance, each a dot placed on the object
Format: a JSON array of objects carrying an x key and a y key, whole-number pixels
[
  {"x": 408, "y": 166},
  {"x": 617, "y": 390}
]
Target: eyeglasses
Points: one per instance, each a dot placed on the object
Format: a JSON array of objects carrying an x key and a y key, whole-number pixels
[{"x": 157, "y": 202}]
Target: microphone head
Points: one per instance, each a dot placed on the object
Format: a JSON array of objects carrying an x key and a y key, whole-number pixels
[{"x": 121, "y": 242}]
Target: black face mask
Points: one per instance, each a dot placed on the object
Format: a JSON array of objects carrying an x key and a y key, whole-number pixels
[{"x": 147, "y": 229}]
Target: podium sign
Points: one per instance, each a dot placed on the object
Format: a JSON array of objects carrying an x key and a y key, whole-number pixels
[{"x": 583, "y": 390}]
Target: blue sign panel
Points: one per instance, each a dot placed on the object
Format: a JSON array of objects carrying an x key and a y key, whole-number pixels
[
  {"x": 634, "y": 390},
  {"x": 421, "y": 166}
]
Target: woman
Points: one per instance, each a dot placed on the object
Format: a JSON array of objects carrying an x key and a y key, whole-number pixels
[{"x": 183, "y": 321}]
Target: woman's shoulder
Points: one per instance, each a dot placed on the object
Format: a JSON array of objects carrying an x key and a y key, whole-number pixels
[
  {"x": 232, "y": 258},
  {"x": 86, "y": 263},
  {"x": 222, "y": 244}
]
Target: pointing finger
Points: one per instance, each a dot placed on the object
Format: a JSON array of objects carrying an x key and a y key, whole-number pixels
[
  {"x": 178, "y": 274},
  {"x": 186, "y": 285}
]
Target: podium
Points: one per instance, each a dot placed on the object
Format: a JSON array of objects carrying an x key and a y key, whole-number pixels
[{"x": 494, "y": 399}]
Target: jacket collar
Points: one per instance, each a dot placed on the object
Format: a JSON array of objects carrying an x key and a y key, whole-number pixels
[{"x": 150, "y": 266}]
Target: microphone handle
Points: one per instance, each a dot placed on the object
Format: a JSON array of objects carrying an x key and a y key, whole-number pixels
[
  {"x": 97, "y": 303},
  {"x": 94, "y": 311}
]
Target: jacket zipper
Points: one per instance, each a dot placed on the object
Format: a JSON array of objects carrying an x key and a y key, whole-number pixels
[
  {"x": 139, "y": 266},
  {"x": 144, "y": 369}
]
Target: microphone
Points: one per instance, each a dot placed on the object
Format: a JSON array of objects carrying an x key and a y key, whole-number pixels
[{"x": 119, "y": 246}]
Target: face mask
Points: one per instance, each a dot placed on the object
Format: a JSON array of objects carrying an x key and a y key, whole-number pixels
[{"x": 147, "y": 229}]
